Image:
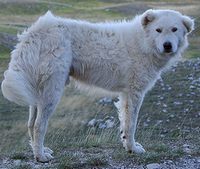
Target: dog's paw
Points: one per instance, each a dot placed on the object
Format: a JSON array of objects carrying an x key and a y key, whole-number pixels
[
  {"x": 138, "y": 148},
  {"x": 48, "y": 150},
  {"x": 133, "y": 148},
  {"x": 44, "y": 158}
]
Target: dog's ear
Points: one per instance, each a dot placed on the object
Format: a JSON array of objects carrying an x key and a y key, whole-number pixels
[
  {"x": 188, "y": 23},
  {"x": 148, "y": 17}
]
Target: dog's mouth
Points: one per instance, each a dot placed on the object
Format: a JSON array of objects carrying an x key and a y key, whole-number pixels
[
  {"x": 168, "y": 52},
  {"x": 165, "y": 52}
]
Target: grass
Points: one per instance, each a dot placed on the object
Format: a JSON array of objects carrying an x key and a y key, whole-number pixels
[
  {"x": 163, "y": 126},
  {"x": 9, "y": 29},
  {"x": 4, "y": 52}
]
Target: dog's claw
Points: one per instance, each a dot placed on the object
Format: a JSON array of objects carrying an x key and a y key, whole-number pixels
[
  {"x": 48, "y": 150},
  {"x": 138, "y": 148},
  {"x": 44, "y": 158}
]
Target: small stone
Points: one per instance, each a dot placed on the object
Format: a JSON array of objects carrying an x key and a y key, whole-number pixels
[
  {"x": 145, "y": 124},
  {"x": 153, "y": 166},
  {"x": 180, "y": 95},
  {"x": 17, "y": 162},
  {"x": 169, "y": 88},
  {"x": 186, "y": 148},
  {"x": 191, "y": 101},
  {"x": 159, "y": 122},
  {"x": 102, "y": 126},
  {"x": 105, "y": 100},
  {"x": 164, "y": 105},
  {"x": 92, "y": 122},
  {"x": 177, "y": 103},
  {"x": 198, "y": 160},
  {"x": 192, "y": 87},
  {"x": 140, "y": 167},
  {"x": 5, "y": 161},
  {"x": 109, "y": 123},
  {"x": 186, "y": 145}
]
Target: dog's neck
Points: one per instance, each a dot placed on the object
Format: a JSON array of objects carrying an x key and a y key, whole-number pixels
[{"x": 159, "y": 61}]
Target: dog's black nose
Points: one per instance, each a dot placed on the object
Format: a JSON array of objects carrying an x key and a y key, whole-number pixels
[{"x": 167, "y": 46}]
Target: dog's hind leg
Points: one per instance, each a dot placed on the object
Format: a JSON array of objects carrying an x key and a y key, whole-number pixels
[
  {"x": 49, "y": 99},
  {"x": 31, "y": 122},
  {"x": 40, "y": 127}
]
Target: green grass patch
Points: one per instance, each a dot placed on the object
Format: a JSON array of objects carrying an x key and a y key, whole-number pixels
[
  {"x": 82, "y": 3},
  {"x": 79, "y": 9},
  {"x": 18, "y": 8},
  {"x": 9, "y": 29},
  {"x": 18, "y": 156},
  {"x": 4, "y": 52}
]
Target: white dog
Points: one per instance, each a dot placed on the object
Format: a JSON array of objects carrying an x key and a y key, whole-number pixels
[{"x": 123, "y": 58}]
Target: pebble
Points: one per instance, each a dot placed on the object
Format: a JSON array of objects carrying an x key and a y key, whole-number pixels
[
  {"x": 17, "y": 162},
  {"x": 109, "y": 122},
  {"x": 198, "y": 160},
  {"x": 92, "y": 122},
  {"x": 153, "y": 166},
  {"x": 187, "y": 149},
  {"x": 105, "y": 100}
]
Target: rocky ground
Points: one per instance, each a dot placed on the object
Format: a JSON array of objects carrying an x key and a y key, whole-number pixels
[{"x": 186, "y": 162}]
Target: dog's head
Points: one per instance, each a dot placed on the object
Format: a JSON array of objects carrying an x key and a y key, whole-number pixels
[{"x": 166, "y": 30}]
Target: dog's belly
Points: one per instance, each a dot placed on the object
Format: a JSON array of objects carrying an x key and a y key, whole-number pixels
[{"x": 103, "y": 76}]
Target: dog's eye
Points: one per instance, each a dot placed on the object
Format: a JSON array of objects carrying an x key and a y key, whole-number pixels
[
  {"x": 174, "y": 29},
  {"x": 158, "y": 30}
]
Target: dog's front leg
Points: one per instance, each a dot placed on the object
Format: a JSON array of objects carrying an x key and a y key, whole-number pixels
[{"x": 129, "y": 109}]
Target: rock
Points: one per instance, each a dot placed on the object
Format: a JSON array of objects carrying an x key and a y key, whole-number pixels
[
  {"x": 17, "y": 162},
  {"x": 153, "y": 166},
  {"x": 178, "y": 103},
  {"x": 102, "y": 126},
  {"x": 105, "y": 100},
  {"x": 192, "y": 87},
  {"x": 5, "y": 161},
  {"x": 187, "y": 148},
  {"x": 92, "y": 122},
  {"x": 109, "y": 123},
  {"x": 198, "y": 160},
  {"x": 164, "y": 105}
]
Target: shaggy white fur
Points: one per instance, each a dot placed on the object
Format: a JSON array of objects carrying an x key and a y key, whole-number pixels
[{"x": 122, "y": 58}]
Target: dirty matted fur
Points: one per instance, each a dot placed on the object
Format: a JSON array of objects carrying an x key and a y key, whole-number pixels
[{"x": 123, "y": 58}]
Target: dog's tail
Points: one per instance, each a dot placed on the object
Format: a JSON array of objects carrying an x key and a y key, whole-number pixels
[{"x": 17, "y": 89}]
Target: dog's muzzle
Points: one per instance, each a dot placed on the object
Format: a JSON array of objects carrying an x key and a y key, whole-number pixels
[{"x": 167, "y": 47}]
